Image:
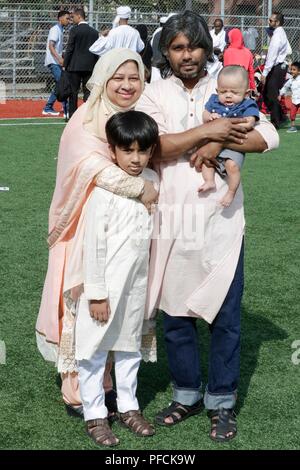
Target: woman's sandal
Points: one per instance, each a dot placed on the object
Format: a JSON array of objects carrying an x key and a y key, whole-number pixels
[
  {"x": 99, "y": 430},
  {"x": 135, "y": 421},
  {"x": 178, "y": 412},
  {"x": 223, "y": 424}
]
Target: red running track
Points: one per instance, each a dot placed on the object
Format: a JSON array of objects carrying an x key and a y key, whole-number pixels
[
  {"x": 33, "y": 108},
  {"x": 26, "y": 109}
]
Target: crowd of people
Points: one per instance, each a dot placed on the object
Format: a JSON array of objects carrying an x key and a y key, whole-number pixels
[
  {"x": 104, "y": 285},
  {"x": 85, "y": 45}
]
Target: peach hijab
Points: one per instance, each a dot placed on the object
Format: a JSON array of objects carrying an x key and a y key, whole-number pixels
[
  {"x": 83, "y": 153},
  {"x": 83, "y": 147}
]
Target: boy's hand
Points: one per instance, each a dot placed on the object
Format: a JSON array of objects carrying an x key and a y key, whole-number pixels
[
  {"x": 149, "y": 196},
  {"x": 100, "y": 310}
]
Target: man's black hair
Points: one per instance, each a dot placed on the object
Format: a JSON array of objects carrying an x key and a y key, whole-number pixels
[
  {"x": 62, "y": 13},
  {"x": 220, "y": 21},
  {"x": 279, "y": 17},
  {"x": 296, "y": 64},
  {"x": 194, "y": 27},
  {"x": 80, "y": 12},
  {"x": 123, "y": 129}
]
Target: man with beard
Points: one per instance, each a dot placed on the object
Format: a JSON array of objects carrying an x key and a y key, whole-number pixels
[
  {"x": 196, "y": 265},
  {"x": 218, "y": 35},
  {"x": 274, "y": 73}
]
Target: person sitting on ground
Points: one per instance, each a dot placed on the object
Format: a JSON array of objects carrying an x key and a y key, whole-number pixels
[
  {"x": 232, "y": 100},
  {"x": 292, "y": 87}
]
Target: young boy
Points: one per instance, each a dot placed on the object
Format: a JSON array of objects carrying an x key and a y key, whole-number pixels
[
  {"x": 292, "y": 86},
  {"x": 115, "y": 259},
  {"x": 232, "y": 100}
]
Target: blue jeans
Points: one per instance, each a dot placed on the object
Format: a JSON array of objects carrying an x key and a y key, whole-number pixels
[
  {"x": 55, "y": 70},
  {"x": 224, "y": 357}
]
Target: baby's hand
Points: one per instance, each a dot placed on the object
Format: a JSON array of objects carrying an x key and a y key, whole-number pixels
[
  {"x": 100, "y": 310},
  {"x": 214, "y": 116}
]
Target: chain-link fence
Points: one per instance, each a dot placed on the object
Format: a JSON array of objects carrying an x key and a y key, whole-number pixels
[{"x": 24, "y": 28}]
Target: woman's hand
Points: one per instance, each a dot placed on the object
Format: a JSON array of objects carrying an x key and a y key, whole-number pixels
[
  {"x": 226, "y": 129},
  {"x": 53, "y": 236},
  {"x": 100, "y": 310},
  {"x": 149, "y": 196},
  {"x": 206, "y": 155}
]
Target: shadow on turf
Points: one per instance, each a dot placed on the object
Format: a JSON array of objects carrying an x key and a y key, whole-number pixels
[
  {"x": 154, "y": 378},
  {"x": 256, "y": 330}
]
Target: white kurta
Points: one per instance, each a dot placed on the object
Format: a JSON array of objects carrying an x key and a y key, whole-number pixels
[
  {"x": 219, "y": 40},
  {"x": 122, "y": 36},
  {"x": 115, "y": 258},
  {"x": 194, "y": 256}
]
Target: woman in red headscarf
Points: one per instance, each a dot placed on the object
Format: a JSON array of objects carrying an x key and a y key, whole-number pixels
[{"x": 237, "y": 54}]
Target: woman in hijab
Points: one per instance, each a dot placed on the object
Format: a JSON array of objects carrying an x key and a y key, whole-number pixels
[
  {"x": 83, "y": 161},
  {"x": 237, "y": 54},
  {"x": 147, "y": 53}
]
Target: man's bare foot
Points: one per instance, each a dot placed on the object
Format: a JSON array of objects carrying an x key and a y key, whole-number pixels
[
  {"x": 207, "y": 186},
  {"x": 227, "y": 199}
]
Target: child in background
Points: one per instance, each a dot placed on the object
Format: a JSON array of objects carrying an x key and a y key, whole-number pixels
[
  {"x": 292, "y": 87},
  {"x": 232, "y": 100},
  {"x": 115, "y": 260}
]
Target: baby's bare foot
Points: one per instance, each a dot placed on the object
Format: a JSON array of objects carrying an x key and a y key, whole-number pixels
[
  {"x": 207, "y": 186},
  {"x": 227, "y": 199}
]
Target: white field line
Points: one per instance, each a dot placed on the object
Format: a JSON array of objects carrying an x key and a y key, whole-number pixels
[{"x": 7, "y": 124}]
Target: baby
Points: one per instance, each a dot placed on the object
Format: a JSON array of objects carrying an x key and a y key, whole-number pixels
[{"x": 232, "y": 100}]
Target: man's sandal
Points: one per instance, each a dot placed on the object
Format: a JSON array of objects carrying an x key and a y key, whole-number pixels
[
  {"x": 178, "y": 412},
  {"x": 223, "y": 424},
  {"x": 135, "y": 421},
  {"x": 99, "y": 430}
]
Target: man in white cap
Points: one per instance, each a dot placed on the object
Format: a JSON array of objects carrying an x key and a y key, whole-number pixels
[
  {"x": 162, "y": 21},
  {"x": 122, "y": 35},
  {"x": 155, "y": 73}
]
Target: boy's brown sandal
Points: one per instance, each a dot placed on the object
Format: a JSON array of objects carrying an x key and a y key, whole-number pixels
[
  {"x": 135, "y": 421},
  {"x": 99, "y": 430}
]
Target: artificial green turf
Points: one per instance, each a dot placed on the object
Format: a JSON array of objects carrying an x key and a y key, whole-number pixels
[{"x": 32, "y": 414}]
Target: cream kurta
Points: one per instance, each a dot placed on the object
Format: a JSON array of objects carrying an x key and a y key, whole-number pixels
[
  {"x": 195, "y": 253},
  {"x": 115, "y": 262}
]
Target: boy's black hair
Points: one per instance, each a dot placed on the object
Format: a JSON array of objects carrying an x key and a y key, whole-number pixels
[
  {"x": 296, "y": 64},
  {"x": 62, "y": 13},
  {"x": 123, "y": 129}
]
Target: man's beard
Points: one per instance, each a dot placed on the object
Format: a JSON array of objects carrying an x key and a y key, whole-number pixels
[{"x": 190, "y": 75}]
